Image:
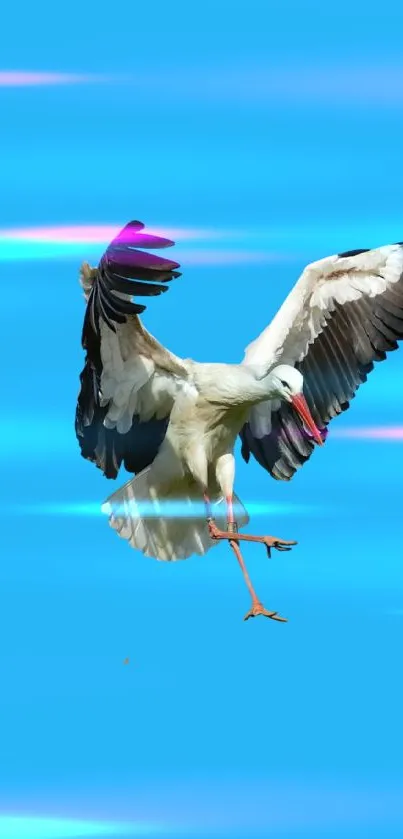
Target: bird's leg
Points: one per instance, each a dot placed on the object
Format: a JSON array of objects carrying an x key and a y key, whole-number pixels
[
  {"x": 233, "y": 536},
  {"x": 269, "y": 541},
  {"x": 257, "y": 606},
  {"x": 209, "y": 514}
]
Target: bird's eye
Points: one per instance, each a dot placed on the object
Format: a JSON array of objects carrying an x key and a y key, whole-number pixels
[{"x": 285, "y": 384}]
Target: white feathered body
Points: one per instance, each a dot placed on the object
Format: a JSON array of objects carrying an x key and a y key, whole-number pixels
[{"x": 206, "y": 418}]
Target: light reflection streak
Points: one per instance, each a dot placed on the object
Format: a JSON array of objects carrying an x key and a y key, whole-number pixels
[
  {"x": 337, "y": 84},
  {"x": 35, "y": 827},
  {"x": 256, "y": 244},
  {"x": 26, "y": 78},
  {"x": 169, "y": 509},
  {"x": 96, "y": 233},
  {"x": 19, "y": 250},
  {"x": 69, "y": 240},
  {"x": 378, "y": 433}
]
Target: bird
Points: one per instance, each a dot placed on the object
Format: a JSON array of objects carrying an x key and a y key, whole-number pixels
[{"x": 173, "y": 422}]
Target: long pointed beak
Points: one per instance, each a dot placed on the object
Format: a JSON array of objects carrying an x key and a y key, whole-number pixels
[{"x": 300, "y": 404}]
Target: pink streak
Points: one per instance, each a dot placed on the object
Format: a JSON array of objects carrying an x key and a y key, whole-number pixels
[
  {"x": 22, "y": 78},
  {"x": 386, "y": 433},
  {"x": 102, "y": 234},
  {"x": 93, "y": 233},
  {"x": 342, "y": 83}
]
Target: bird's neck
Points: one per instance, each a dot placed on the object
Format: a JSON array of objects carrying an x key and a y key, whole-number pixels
[
  {"x": 232, "y": 385},
  {"x": 263, "y": 385}
]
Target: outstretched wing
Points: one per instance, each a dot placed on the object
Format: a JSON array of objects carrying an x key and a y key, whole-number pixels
[
  {"x": 129, "y": 381},
  {"x": 344, "y": 313}
]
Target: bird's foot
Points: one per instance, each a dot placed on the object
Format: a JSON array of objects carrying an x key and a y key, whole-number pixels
[
  {"x": 232, "y": 535},
  {"x": 277, "y": 544},
  {"x": 258, "y": 609}
]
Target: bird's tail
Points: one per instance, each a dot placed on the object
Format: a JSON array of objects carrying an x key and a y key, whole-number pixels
[{"x": 166, "y": 522}]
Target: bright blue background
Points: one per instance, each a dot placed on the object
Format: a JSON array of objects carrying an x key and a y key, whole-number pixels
[{"x": 282, "y": 121}]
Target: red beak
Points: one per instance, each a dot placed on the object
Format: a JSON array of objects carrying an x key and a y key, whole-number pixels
[{"x": 300, "y": 404}]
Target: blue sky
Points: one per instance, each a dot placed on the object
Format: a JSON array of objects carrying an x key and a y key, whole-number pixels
[{"x": 276, "y": 129}]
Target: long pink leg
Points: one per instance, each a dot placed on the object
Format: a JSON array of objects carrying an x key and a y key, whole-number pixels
[{"x": 233, "y": 536}]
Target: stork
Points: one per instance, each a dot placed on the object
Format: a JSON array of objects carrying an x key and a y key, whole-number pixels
[{"x": 173, "y": 422}]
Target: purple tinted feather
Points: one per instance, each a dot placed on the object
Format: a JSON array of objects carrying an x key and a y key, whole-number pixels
[
  {"x": 144, "y": 240},
  {"x": 128, "y": 233},
  {"x": 131, "y": 257},
  {"x": 307, "y": 434}
]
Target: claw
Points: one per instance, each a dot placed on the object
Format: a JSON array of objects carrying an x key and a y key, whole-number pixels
[
  {"x": 277, "y": 544},
  {"x": 258, "y": 609}
]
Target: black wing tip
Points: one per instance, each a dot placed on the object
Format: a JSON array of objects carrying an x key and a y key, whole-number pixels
[
  {"x": 245, "y": 450},
  {"x": 138, "y": 224},
  {"x": 356, "y": 252},
  {"x": 132, "y": 236},
  {"x": 125, "y": 271},
  {"x": 127, "y": 259}
]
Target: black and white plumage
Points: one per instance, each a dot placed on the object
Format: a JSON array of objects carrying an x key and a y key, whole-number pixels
[
  {"x": 174, "y": 422},
  {"x": 107, "y": 435},
  {"x": 344, "y": 313}
]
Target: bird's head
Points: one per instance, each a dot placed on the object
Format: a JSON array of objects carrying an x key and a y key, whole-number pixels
[{"x": 288, "y": 385}]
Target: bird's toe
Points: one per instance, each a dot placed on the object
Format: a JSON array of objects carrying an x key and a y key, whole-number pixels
[{"x": 259, "y": 609}]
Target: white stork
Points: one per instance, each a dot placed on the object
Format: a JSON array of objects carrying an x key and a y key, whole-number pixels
[{"x": 174, "y": 422}]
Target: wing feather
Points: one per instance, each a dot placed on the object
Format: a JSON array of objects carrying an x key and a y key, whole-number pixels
[
  {"x": 344, "y": 313},
  {"x": 129, "y": 381}
]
